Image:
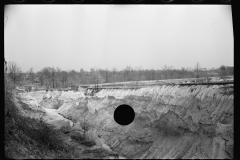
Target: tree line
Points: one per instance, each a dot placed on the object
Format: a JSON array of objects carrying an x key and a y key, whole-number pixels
[{"x": 55, "y": 77}]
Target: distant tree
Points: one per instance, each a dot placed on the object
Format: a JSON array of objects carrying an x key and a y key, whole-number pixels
[
  {"x": 114, "y": 73},
  {"x": 139, "y": 75},
  {"x": 73, "y": 78},
  {"x": 152, "y": 73},
  {"x": 197, "y": 69},
  {"x": 231, "y": 70},
  {"x": 58, "y": 75},
  {"x": 96, "y": 79},
  {"x": 127, "y": 73},
  {"x": 47, "y": 72},
  {"x": 106, "y": 75},
  {"x": 165, "y": 71},
  {"x": 14, "y": 71},
  {"x": 41, "y": 77},
  {"x": 53, "y": 76},
  {"x": 31, "y": 75},
  {"x": 81, "y": 70},
  {"x": 64, "y": 77},
  {"x": 223, "y": 71},
  {"x": 92, "y": 70}
]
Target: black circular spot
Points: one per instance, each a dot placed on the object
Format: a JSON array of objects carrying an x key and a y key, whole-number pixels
[{"x": 124, "y": 114}]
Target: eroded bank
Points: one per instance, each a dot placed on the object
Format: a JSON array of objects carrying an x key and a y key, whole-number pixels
[{"x": 171, "y": 121}]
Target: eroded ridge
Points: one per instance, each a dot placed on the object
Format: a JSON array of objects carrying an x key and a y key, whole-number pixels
[{"x": 171, "y": 121}]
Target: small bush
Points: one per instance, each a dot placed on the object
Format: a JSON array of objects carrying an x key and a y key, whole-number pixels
[
  {"x": 65, "y": 129},
  {"x": 88, "y": 143},
  {"x": 84, "y": 140},
  {"x": 78, "y": 137}
]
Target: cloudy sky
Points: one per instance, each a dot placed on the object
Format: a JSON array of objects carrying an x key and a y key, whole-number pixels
[{"x": 107, "y": 36}]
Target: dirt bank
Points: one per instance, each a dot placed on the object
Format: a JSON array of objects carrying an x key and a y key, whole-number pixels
[
  {"x": 171, "y": 121},
  {"x": 31, "y": 108}
]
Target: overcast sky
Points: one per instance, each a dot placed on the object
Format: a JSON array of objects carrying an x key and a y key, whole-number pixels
[{"x": 107, "y": 36}]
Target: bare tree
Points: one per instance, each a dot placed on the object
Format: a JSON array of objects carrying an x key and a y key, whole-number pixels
[
  {"x": 96, "y": 79},
  {"x": 165, "y": 71},
  {"x": 106, "y": 75},
  {"x": 53, "y": 76},
  {"x": 114, "y": 71},
  {"x": 64, "y": 77},
  {"x": 138, "y": 72},
  {"x": 85, "y": 125},
  {"x": 41, "y": 77},
  {"x": 31, "y": 75},
  {"x": 47, "y": 76},
  {"x": 14, "y": 71},
  {"x": 126, "y": 73},
  {"x": 197, "y": 69},
  {"x": 58, "y": 74}
]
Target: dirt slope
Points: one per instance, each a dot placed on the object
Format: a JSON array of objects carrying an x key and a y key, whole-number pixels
[{"x": 171, "y": 121}]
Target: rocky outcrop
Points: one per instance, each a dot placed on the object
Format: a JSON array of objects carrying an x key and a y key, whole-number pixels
[{"x": 171, "y": 121}]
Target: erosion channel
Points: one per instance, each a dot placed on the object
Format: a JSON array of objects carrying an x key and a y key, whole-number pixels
[{"x": 171, "y": 121}]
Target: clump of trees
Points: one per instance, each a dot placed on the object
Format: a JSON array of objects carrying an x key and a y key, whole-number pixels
[
  {"x": 14, "y": 72},
  {"x": 52, "y": 77},
  {"x": 225, "y": 71}
]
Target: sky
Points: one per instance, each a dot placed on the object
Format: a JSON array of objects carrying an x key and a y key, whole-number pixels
[{"x": 107, "y": 36}]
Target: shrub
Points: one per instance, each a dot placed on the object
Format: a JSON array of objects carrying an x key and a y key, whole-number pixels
[
  {"x": 50, "y": 138},
  {"x": 88, "y": 143},
  {"x": 78, "y": 137},
  {"x": 83, "y": 139},
  {"x": 65, "y": 129}
]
